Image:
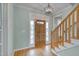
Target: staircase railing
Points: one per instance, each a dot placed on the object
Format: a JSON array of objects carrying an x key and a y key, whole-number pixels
[{"x": 68, "y": 29}]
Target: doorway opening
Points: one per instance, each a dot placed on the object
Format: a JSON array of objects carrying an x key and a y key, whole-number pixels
[{"x": 32, "y": 33}]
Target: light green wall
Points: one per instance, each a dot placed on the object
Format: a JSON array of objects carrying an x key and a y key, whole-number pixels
[
  {"x": 0, "y": 14},
  {"x": 22, "y": 17},
  {"x": 21, "y": 28}
]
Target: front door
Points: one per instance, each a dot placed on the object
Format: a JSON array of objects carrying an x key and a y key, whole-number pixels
[{"x": 40, "y": 33}]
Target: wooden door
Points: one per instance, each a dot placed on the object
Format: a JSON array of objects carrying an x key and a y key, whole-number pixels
[{"x": 40, "y": 33}]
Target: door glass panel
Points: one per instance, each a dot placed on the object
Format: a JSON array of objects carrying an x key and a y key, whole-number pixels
[
  {"x": 47, "y": 29},
  {"x": 32, "y": 32}
]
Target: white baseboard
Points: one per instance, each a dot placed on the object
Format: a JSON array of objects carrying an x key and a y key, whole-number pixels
[{"x": 22, "y": 48}]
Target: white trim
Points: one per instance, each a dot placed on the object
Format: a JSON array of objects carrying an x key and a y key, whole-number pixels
[
  {"x": 22, "y": 48},
  {"x": 2, "y": 27},
  {"x": 54, "y": 52},
  {"x": 27, "y": 47},
  {"x": 12, "y": 53}
]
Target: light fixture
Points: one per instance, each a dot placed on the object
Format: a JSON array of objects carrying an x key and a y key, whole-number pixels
[{"x": 48, "y": 9}]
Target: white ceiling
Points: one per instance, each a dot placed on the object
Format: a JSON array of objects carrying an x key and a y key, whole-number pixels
[{"x": 40, "y": 6}]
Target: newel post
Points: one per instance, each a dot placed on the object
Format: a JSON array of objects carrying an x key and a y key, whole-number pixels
[{"x": 77, "y": 22}]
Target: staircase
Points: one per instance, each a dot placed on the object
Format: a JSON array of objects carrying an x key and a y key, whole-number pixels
[{"x": 66, "y": 34}]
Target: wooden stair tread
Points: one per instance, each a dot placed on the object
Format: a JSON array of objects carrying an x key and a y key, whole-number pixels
[{"x": 66, "y": 46}]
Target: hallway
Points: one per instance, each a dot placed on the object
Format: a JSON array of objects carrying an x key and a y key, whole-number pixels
[
  {"x": 26, "y": 29},
  {"x": 35, "y": 52}
]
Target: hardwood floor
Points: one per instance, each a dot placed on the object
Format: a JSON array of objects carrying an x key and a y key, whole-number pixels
[{"x": 35, "y": 52}]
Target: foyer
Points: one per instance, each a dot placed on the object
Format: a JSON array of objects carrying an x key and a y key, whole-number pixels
[{"x": 39, "y": 29}]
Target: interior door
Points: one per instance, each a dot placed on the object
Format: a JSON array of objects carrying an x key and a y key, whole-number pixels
[{"x": 40, "y": 33}]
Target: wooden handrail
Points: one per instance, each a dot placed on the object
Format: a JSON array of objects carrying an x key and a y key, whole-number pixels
[
  {"x": 67, "y": 16},
  {"x": 62, "y": 32}
]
